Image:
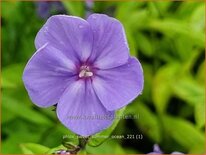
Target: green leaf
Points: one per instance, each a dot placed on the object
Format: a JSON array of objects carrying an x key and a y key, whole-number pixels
[
  {"x": 53, "y": 150},
  {"x": 200, "y": 114},
  {"x": 201, "y": 73},
  {"x": 189, "y": 90},
  {"x": 173, "y": 28},
  {"x": 131, "y": 41},
  {"x": 144, "y": 44},
  {"x": 141, "y": 15},
  {"x": 161, "y": 92},
  {"x": 148, "y": 76},
  {"x": 126, "y": 8},
  {"x": 4, "y": 112},
  {"x": 19, "y": 131},
  {"x": 184, "y": 51},
  {"x": 183, "y": 132},
  {"x": 130, "y": 22},
  {"x": 12, "y": 76},
  {"x": 163, "y": 6},
  {"x": 31, "y": 148},
  {"x": 198, "y": 18},
  {"x": 187, "y": 8},
  {"x": 148, "y": 122},
  {"x": 74, "y": 8},
  {"x": 197, "y": 149},
  {"x": 99, "y": 138},
  {"x": 131, "y": 8},
  {"x": 154, "y": 12},
  {"x": 9, "y": 8},
  {"x": 82, "y": 152},
  {"x": 108, "y": 147},
  {"x": 19, "y": 108}
]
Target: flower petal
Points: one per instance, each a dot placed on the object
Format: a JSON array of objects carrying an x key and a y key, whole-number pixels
[
  {"x": 80, "y": 110},
  {"x": 110, "y": 48},
  {"x": 47, "y": 74},
  {"x": 70, "y": 34},
  {"x": 117, "y": 87}
]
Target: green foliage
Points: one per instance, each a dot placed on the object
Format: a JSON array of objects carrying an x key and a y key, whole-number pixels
[
  {"x": 147, "y": 121},
  {"x": 99, "y": 138},
  {"x": 10, "y": 104},
  {"x": 53, "y": 150},
  {"x": 106, "y": 148},
  {"x": 162, "y": 84},
  {"x": 200, "y": 114},
  {"x": 184, "y": 132},
  {"x": 75, "y": 8},
  {"x": 168, "y": 39},
  {"x": 31, "y": 148},
  {"x": 12, "y": 76},
  {"x": 189, "y": 90}
]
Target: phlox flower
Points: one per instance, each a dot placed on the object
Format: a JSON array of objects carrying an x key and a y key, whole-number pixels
[{"x": 85, "y": 68}]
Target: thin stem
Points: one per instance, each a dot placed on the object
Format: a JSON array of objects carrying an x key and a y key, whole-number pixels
[
  {"x": 83, "y": 141},
  {"x": 74, "y": 149}
]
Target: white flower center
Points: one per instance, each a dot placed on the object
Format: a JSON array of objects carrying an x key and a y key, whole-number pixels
[{"x": 85, "y": 72}]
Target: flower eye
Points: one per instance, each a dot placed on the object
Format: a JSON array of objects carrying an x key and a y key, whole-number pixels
[{"x": 85, "y": 72}]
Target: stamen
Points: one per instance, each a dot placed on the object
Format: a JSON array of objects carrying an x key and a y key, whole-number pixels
[{"x": 85, "y": 72}]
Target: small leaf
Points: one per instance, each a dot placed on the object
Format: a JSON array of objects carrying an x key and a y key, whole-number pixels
[
  {"x": 9, "y": 8},
  {"x": 4, "y": 112},
  {"x": 144, "y": 44},
  {"x": 189, "y": 90},
  {"x": 126, "y": 8},
  {"x": 82, "y": 152},
  {"x": 200, "y": 114},
  {"x": 131, "y": 41},
  {"x": 108, "y": 147},
  {"x": 148, "y": 122},
  {"x": 197, "y": 149},
  {"x": 163, "y": 7},
  {"x": 148, "y": 76},
  {"x": 99, "y": 138},
  {"x": 141, "y": 16},
  {"x": 174, "y": 28},
  {"x": 161, "y": 92},
  {"x": 32, "y": 148},
  {"x": 186, "y": 9},
  {"x": 66, "y": 143},
  {"x": 20, "y": 109},
  {"x": 198, "y": 18},
  {"x": 182, "y": 51},
  {"x": 201, "y": 73},
  {"x": 74, "y": 8},
  {"x": 183, "y": 132},
  {"x": 53, "y": 150},
  {"x": 12, "y": 76}
]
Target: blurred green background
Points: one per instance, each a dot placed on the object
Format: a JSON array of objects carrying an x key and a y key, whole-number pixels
[{"x": 169, "y": 40}]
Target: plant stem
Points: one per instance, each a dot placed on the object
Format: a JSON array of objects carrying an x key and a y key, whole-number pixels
[{"x": 82, "y": 141}]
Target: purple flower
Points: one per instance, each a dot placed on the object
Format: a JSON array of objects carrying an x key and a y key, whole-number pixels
[
  {"x": 157, "y": 150},
  {"x": 84, "y": 66}
]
